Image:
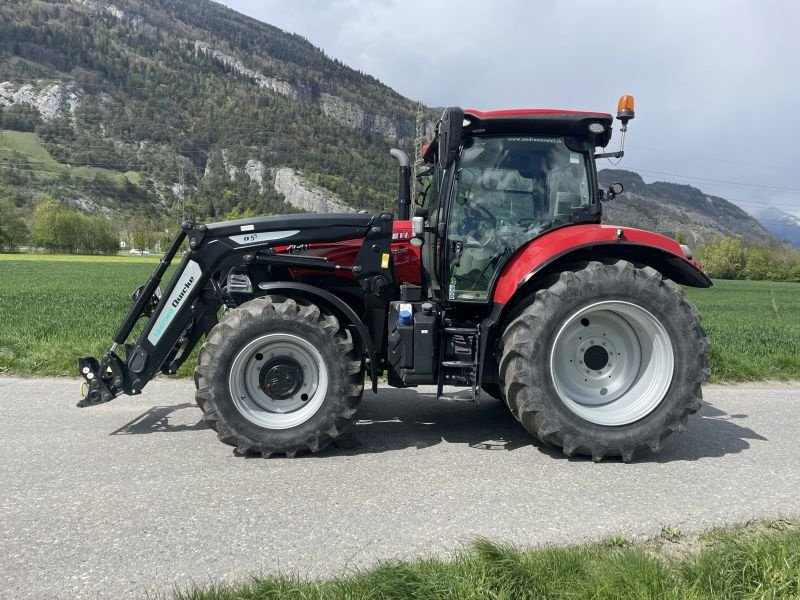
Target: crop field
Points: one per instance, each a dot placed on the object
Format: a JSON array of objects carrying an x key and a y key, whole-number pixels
[
  {"x": 54, "y": 309},
  {"x": 754, "y": 328}
]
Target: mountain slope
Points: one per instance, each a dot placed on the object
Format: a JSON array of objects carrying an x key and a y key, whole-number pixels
[
  {"x": 121, "y": 106},
  {"x": 780, "y": 223},
  {"x": 188, "y": 91},
  {"x": 678, "y": 210}
]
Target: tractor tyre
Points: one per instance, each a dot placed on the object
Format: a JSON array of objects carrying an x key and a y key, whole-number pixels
[
  {"x": 606, "y": 361},
  {"x": 279, "y": 376}
]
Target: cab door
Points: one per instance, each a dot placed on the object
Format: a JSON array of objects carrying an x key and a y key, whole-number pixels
[{"x": 432, "y": 247}]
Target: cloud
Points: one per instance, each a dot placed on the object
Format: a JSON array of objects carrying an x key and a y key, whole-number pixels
[{"x": 714, "y": 81}]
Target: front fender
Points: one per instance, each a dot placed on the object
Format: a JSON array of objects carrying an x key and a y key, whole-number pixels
[
  {"x": 595, "y": 242},
  {"x": 318, "y": 294}
]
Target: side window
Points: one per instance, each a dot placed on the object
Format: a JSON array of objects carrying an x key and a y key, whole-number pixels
[
  {"x": 509, "y": 190},
  {"x": 568, "y": 184}
]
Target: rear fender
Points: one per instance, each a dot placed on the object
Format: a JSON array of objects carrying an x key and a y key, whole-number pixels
[
  {"x": 548, "y": 253},
  {"x": 338, "y": 307}
]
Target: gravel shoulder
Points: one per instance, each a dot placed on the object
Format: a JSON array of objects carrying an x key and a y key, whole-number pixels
[{"x": 137, "y": 496}]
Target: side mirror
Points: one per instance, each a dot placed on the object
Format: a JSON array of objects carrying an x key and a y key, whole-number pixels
[
  {"x": 614, "y": 190},
  {"x": 450, "y": 126},
  {"x": 417, "y": 226}
]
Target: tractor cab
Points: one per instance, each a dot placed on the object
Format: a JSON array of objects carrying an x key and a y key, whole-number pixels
[{"x": 499, "y": 180}]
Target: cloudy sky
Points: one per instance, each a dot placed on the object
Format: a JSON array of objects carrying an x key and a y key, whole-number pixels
[{"x": 716, "y": 82}]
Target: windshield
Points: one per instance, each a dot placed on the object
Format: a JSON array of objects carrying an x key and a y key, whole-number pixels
[{"x": 510, "y": 189}]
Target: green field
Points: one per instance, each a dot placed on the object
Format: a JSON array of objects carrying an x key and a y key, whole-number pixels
[
  {"x": 754, "y": 328},
  {"x": 54, "y": 309}
]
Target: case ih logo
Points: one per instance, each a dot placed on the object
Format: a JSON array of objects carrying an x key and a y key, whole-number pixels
[{"x": 186, "y": 287}]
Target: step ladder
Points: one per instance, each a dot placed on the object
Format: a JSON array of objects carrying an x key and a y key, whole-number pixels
[{"x": 463, "y": 368}]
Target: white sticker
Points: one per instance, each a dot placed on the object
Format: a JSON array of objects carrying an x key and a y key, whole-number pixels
[
  {"x": 247, "y": 228},
  {"x": 451, "y": 295},
  {"x": 183, "y": 289},
  {"x": 264, "y": 236},
  {"x": 540, "y": 140},
  {"x": 574, "y": 159}
]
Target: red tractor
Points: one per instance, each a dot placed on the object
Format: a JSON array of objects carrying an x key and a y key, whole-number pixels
[{"x": 504, "y": 280}]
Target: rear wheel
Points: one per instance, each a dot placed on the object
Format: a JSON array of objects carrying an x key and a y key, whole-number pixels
[
  {"x": 277, "y": 375},
  {"x": 607, "y": 360}
]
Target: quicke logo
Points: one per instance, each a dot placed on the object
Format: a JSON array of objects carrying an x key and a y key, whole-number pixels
[{"x": 185, "y": 289}]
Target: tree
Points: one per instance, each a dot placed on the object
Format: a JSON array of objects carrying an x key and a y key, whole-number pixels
[
  {"x": 725, "y": 258},
  {"x": 59, "y": 229},
  {"x": 70, "y": 231},
  {"x": 44, "y": 223},
  {"x": 102, "y": 240},
  {"x": 237, "y": 213},
  {"x": 764, "y": 264},
  {"x": 13, "y": 230}
]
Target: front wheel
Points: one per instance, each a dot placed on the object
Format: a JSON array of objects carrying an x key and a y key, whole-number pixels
[
  {"x": 607, "y": 360},
  {"x": 277, "y": 375}
]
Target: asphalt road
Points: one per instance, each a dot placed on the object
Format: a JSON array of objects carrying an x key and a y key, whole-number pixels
[{"x": 137, "y": 496}]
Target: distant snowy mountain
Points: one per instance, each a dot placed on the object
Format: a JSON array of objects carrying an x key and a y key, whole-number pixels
[{"x": 780, "y": 223}]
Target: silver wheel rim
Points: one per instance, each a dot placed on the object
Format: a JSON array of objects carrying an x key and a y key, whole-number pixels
[
  {"x": 612, "y": 363},
  {"x": 278, "y": 381}
]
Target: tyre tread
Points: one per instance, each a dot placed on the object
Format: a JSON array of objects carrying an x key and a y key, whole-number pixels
[
  {"x": 270, "y": 307},
  {"x": 518, "y": 349}
]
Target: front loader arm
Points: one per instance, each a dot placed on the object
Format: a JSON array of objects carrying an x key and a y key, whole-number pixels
[
  {"x": 188, "y": 308},
  {"x": 112, "y": 376}
]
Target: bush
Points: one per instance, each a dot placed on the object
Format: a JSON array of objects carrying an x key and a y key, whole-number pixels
[
  {"x": 728, "y": 258},
  {"x": 13, "y": 230},
  {"x": 58, "y": 229},
  {"x": 725, "y": 258}
]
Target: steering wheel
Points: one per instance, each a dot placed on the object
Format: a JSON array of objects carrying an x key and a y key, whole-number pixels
[{"x": 489, "y": 216}]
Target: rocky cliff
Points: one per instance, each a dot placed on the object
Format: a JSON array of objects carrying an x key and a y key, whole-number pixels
[{"x": 677, "y": 210}]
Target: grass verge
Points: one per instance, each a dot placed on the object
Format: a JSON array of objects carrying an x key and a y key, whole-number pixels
[
  {"x": 744, "y": 564},
  {"x": 56, "y": 308}
]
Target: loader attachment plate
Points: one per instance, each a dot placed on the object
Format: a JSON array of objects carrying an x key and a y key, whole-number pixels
[{"x": 101, "y": 382}]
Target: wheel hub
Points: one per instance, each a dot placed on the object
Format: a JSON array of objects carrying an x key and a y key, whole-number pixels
[
  {"x": 611, "y": 362},
  {"x": 595, "y": 358},
  {"x": 281, "y": 378},
  {"x": 278, "y": 381}
]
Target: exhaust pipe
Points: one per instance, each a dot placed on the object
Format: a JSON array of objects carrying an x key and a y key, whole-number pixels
[{"x": 404, "y": 196}]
